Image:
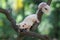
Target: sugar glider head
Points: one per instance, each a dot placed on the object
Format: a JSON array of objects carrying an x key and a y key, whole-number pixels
[{"x": 44, "y": 7}]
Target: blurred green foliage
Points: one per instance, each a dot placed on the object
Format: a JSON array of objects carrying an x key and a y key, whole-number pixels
[{"x": 50, "y": 25}]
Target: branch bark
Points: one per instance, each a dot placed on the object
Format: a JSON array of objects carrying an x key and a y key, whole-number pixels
[{"x": 49, "y": 2}]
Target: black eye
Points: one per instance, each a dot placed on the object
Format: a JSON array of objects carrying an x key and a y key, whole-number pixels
[
  {"x": 45, "y": 8},
  {"x": 23, "y": 25}
]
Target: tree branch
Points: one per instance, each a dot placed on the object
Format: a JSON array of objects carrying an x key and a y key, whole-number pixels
[
  {"x": 49, "y": 2},
  {"x": 36, "y": 35},
  {"x": 9, "y": 17}
]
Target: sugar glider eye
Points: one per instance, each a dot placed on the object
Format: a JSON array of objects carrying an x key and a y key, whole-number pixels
[
  {"x": 46, "y": 9},
  {"x": 23, "y": 26}
]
